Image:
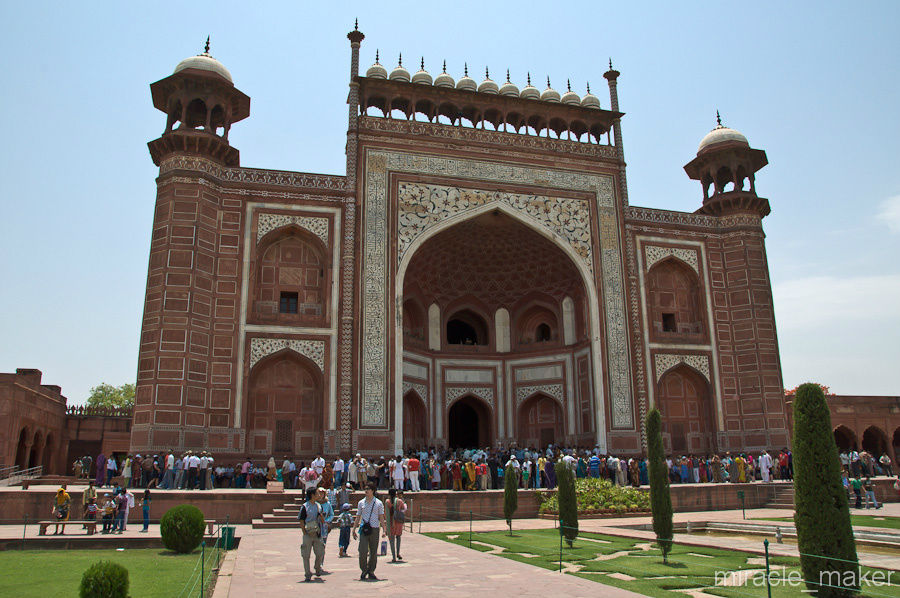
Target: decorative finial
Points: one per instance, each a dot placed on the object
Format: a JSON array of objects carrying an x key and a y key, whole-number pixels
[
  {"x": 206, "y": 47},
  {"x": 718, "y": 118},
  {"x": 610, "y": 64},
  {"x": 529, "y": 79},
  {"x": 487, "y": 75},
  {"x": 400, "y": 60},
  {"x": 589, "y": 86},
  {"x": 465, "y": 69},
  {"x": 445, "y": 66},
  {"x": 507, "y": 76},
  {"x": 548, "y": 82},
  {"x": 356, "y": 24},
  {"x": 422, "y": 64},
  {"x": 569, "y": 84},
  {"x": 376, "y": 56}
]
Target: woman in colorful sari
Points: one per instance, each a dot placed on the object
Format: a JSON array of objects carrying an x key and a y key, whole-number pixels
[
  {"x": 581, "y": 468},
  {"x": 741, "y": 466},
  {"x": 61, "y": 509},
  {"x": 101, "y": 470}
]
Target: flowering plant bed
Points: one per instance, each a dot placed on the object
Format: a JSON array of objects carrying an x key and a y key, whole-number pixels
[{"x": 600, "y": 497}]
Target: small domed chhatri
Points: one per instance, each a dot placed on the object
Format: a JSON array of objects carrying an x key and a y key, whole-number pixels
[
  {"x": 444, "y": 80},
  {"x": 550, "y": 94},
  {"x": 570, "y": 97},
  {"x": 422, "y": 77},
  {"x": 530, "y": 92},
  {"x": 204, "y": 62},
  {"x": 400, "y": 73},
  {"x": 721, "y": 134},
  {"x": 509, "y": 88},
  {"x": 488, "y": 85},
  {"x": 466, "y": 82},
  {"x": 377, "y": 71},
  {"x": 589, "y": 100}
]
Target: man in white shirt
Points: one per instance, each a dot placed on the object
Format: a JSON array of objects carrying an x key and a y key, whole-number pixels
[
  {"x": 369, "y": 516},
  {"x": 201, "y": 470},
  {"x": 398, "y": 472},
  {"x": 765, "y": 466},
  {"x": 351, "y": 471},
  {"x": 319, "y": 465},
  {"x": 192, "y": 466},
  {"x": 169, "y": 477},
  {"x": 338, "y": 469}
]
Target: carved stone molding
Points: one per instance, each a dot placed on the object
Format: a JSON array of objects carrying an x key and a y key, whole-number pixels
[
  {"x": 312, "y": 349},
  {"x": 482, "y": 392},
  {"x": 420, "y": 389},
  {"x": 525, "y": 392},
  {"x": 281, "y": 178},
  {"x": 664, "y": 362},
  {"x": 268, "y": 222},
  {"x": 655, "y": 254}
]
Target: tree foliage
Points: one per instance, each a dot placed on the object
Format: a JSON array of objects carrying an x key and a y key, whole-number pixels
[
  {"x": 660, "y": 498},
  {"x": 825, "y": 390},
  {"x": 568, "y": 507},
  {"x": 182, "y": 528},
  {"x": 510, "y": 494},
  {"x": 107, "y": 395},
  {"x": 821, "y": 513},
  {"x": 104, "y": 579}
]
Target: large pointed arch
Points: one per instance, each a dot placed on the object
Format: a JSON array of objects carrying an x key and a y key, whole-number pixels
[{"x": 587, "y": 279}]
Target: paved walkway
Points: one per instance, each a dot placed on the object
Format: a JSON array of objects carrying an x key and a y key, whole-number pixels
[{"x": 268, "y": 562}]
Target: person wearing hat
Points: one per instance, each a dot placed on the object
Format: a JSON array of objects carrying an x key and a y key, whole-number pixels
[{"x": 345, "y": 522}]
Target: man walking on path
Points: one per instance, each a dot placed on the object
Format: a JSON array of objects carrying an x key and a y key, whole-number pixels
[
  {"x": 313, "y": 520},
  {"x": 369, "y": 521}
]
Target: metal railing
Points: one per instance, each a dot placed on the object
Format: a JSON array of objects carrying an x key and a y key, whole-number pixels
[{"x": 13, "y": 475}]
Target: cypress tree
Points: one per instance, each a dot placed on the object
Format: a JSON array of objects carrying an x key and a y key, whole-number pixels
[
  {"x": 821, "y": 512},
  {"x": 568, "y": 505},
  {"x": 510, "y": 494},
  {"x": 660, "y": 498}
]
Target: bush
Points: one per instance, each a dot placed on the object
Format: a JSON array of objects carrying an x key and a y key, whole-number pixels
[
  {"x": 510, "y": 494},
  {"x": 568, "y": 505},
  {"x": 182, "y": 528},
  {"x": 104, "y": 580},
  {"x": 597, "y": 495},
  {"x": 660, "y": 498},
  {"x": 821, "y": 513}
]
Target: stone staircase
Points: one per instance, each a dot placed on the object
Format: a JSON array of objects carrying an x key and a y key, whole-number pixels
[
  {"x": 783, "y": 497},
  {"x": 286, "y": 516}
]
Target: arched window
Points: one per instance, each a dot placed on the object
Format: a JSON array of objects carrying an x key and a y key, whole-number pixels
[
  {"x": 291, "y": 280},
  {"x": 196, "y": 114},
  {"x": 675, "y": 302},
  {"x": 466, "y": 327},
  {"x": 542, "y": 333}
]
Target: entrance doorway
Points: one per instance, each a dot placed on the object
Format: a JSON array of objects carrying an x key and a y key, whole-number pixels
[{"x": 469, "y": 423}]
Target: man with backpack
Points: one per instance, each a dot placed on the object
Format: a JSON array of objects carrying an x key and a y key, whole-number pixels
[{"x": 313, "y": 520}]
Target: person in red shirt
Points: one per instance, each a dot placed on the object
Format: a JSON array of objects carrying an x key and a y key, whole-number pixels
[
  {"x": 413, "y": 465},
  {"x": 456, "y": 473}
]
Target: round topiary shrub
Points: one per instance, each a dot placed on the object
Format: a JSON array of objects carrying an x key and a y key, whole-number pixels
[
  {"x": 182, "y": 528},
  {"x": 104, "y": 580}
]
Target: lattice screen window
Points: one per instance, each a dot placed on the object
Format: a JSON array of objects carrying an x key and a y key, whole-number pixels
[{"x": 283, "y": 435}]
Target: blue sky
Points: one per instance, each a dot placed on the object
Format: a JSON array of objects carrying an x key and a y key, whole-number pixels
[{"x": 815, "y": 84}]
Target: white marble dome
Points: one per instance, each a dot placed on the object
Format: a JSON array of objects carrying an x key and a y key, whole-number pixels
[
  {"x": 589, "y": 100},
  {"x": 509, "y": 88},
  {"x": 466, "y": 82},
  {"x": 400, "y": 73},
  {"x": 570, "y": 97},
  {"x": 422, "y": 76},
  {"x": 444, "y": 80},
  {"x": 721, "y": 134},
  {"x": 377, "y": 71},
  {"x": 488, "y": 85},
  {"x": 204, "y": 62},
  {"x": 530, "y": 92},
  {"x": 550, "y": 94}
]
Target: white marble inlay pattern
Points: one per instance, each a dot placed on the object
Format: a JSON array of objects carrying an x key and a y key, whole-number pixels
[
  {"x": 269, "y": 222},
  {"x": 421, "y": 389},
  {"x": 482, "y": 392},
  {"x": 554, "y": 390},
  {"x": 666, "y": 361},
  {"x": 314, "y": 350},
  {"x": 656, "y": 253}
]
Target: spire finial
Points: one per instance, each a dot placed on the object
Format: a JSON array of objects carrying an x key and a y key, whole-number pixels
[
  {"x": 487, "y": 74},
  {"x": 465, "y": 69},
  {"x": 529, "y": 78},
  {"x": 569, "y": 84},
  {"x": 206, "y": 47},
  {"x": 589, "y": 86},
  {"x": 445, "y": 66},
  {"x": 400, "y": 60},
  {"x": 507, "y": 76},
  {"x": 422, "y": 64},
  {"x": 718, "y": 118},
  {"x": 548, "y": 82},
  {"x": 610, "y": 64},
  {"x": 376, "y": 56},
  {"x": 356, "y": 24}
]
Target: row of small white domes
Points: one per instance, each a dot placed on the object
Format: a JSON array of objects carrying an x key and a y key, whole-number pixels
[{"x": 529, "y": 92}]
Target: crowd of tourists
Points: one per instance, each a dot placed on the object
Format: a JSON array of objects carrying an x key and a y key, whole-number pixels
[
  {"x": 112, "y": 508},
  {"x": 188, "y": 471}
]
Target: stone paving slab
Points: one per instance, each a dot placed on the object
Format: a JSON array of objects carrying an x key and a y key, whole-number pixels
[{"x": 268, "y": 561}]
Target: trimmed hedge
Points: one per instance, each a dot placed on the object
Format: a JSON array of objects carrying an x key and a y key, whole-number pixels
[
  {"x": 104, "y": 579},
  {"x": 821, "y": 511},
  {"x": 182, "y": 528},
  {"x": 599, "y": 495},
  {"x": 568, "y": 503},
  {"x": 510, "y": 494},
  {"x": 660, "y": 496}
]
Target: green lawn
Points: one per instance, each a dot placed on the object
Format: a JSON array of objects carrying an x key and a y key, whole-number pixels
[
  {"x": 153, "y": 572},
  {"x": 861, "y": 520},
  {"x": 687, "y": 566}
]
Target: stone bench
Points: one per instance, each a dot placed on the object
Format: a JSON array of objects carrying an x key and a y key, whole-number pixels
[{"x": 90, "y": 525}]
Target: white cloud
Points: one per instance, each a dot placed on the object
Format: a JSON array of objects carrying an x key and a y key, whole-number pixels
[
  {"x": 889, "y": 213},
  {"x": 828, "y": 302}
]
